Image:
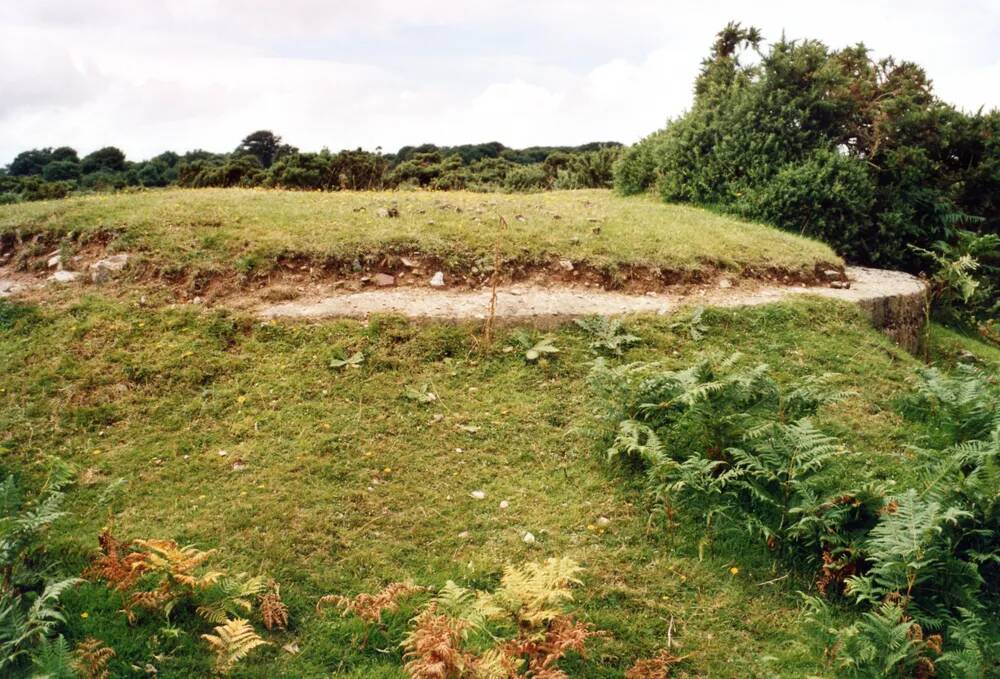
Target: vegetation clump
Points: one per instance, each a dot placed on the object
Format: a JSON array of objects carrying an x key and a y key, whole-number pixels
[{"x": 830, "y": 143}]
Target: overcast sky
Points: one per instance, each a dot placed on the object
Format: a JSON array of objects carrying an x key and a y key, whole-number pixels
[{"x": 149, "y": 76}]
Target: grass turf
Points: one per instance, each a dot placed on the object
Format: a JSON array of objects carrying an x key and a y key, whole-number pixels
[
  {"x": 347, "y": 484},
  {"x": 249, "y": 230}
]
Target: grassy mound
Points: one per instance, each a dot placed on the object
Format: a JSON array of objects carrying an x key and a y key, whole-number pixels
[
  {"x": 341, "y": 479},
  {"x": 222, "y": 230}
]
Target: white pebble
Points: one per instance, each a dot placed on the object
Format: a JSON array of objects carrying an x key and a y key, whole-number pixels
[
  {"x": 504, "y": 504},
  {"x": 478, "y": 494},
  {"x": 528, "y": 539}
]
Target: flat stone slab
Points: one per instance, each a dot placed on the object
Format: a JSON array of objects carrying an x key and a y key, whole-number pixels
[{"x": 527, "y": 301}]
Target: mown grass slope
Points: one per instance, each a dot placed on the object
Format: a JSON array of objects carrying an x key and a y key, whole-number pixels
[
  {"x": 248, "y": 230},
  {"x": 344, "y": 483}
]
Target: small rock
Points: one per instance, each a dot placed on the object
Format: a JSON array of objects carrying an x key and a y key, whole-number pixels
[
  {"x": 239, "y": 465},
  {"x": 596, "y": 230},
  {"x": 504, "y": 504},
  {"x": 575, "y": 240},
  {"x": 409, "y": 263},
  {"x": 437, "y": 280},
  {"x": 840, "y": 285},
  {"x": 99, "y": 275},
  {"x": 384, "y": 280},
  {"x": 101, "y": 270},
  {"x": 528, "y": 538},
  {"x": 725, "y": 283},
  {"x": 478, "y": 495},
  {"x": 291, "y": 646},
  {"x": 114, "y": 262},
  {"x": 566, "y": 264},
  {"x": 223, "y": 453},
  {"x": 651, "y": 293},
  {"x": 196, "y": 300},
  {"x": 833, "y": 274},
  {"x": 603, "y": 521},
  {"x": 54, "y": 261},
  {"x": 464, "y": 535},
  {"x": 387, "y": 212},
  {"x": 64, "y": 276},
  {"x": 520, "y": 218}
]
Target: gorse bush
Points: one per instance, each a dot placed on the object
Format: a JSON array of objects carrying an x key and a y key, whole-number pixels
[
  {"x": 725, "y": 441},
  {"x": 829, "y": 143}
]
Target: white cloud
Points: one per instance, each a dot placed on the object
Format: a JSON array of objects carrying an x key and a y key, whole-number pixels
[{"x": 202, "y": 73}]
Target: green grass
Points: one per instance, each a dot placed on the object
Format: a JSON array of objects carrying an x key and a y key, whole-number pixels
[
  {"x": 349, "y": 485},
  {"x": 248, "y": 230}
]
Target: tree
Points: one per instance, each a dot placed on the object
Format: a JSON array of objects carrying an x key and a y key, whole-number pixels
[
  {"x": 65, "y": 153},
  {"x": 107, "y": 159},
  {"x": 28, "y": 163},
  {"x": 264, "y": 145},
  {"x": 60, "y": 170},
  {"x": 829, "y": 143}
]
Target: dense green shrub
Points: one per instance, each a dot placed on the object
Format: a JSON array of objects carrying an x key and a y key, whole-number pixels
[
  {"x": 826, "y": 196},
  {"x": 825, "y": 142},
  {"x": 60, "y": 170},
  {"x": 527, "y": 178}
]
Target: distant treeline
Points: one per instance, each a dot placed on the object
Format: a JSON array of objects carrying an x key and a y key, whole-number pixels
[{"x": 262, "y": 159}]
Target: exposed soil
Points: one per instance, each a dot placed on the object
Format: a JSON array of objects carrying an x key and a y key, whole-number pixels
[{"x": 301, "y": 288}]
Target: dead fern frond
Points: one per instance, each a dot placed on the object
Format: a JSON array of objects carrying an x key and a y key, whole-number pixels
[
  {"x": 564, "y": 635},
  {"x": 232, "y": 642},
  {"x": 543, "y": 651},
  {"x": 657, "y": 667},
  {"x": 535, "y": 592},
  {"x": 433, "y": 648},
  {"x": 370, "y": 607},
  {"x": 273, "y": 610},
  {"x": 177, "y": 563},
  {"x": 115, "y": 565},
  {"x": 91, "y": 659},
  {"x": 835, "y": 572},
  {"x": 496, "y": 663},
  {"x": 152, "y": 600}
]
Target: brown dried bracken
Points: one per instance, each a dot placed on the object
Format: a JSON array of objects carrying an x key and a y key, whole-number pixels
[
  {"x": 834, "y": 571},
  {"x": 563, "y": 634},
  {"x": 433, "y": 647},
  {"x": 91, "y": 659},
  {"x": 371, "y": 606},
  {"x": 273, "y": 610},
  {"x": 657, "y": 667},
  {"x": 118, "y": 568}
]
